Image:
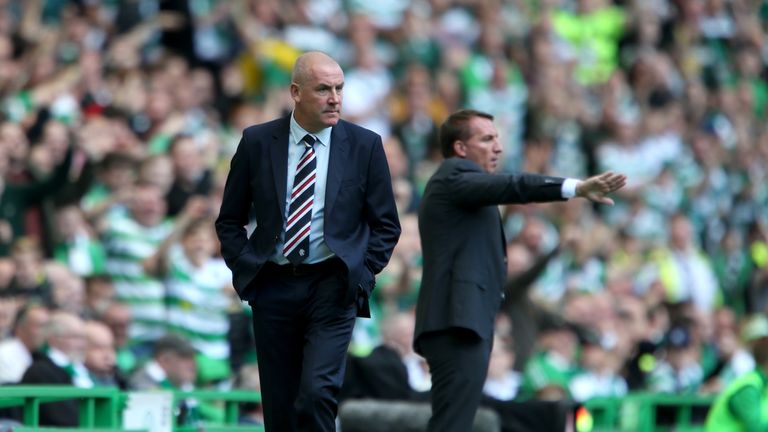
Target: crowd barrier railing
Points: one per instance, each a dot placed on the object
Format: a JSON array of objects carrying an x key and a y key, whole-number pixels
[
  {"x": 649, "y": 412},
  {"x": 101, "y": 409}
]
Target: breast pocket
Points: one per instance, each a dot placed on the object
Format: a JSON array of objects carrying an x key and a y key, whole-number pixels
[{"x": 351, "y": 197}]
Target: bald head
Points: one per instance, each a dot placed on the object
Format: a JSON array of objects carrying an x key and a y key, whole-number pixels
[
  {"x": 100, "y": 352},
  {"x": 316, "y": 86},
  {"x": 303, "y": 68},
  {"x": 97, "y": 332}
]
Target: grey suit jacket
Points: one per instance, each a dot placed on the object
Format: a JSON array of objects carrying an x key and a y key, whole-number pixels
[{"x": 463, "y": 243}]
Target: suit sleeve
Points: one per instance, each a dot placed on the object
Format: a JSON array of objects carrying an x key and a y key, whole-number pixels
[
  {"x": 235, "y": 206},
  {"x": 380, "y": 211},
  {"x": 470, "y": 187}
]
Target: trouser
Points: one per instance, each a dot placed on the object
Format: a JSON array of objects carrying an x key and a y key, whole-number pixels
[
  {"x": 458, "y": 362},
  {"x": 302, "y": 329}
]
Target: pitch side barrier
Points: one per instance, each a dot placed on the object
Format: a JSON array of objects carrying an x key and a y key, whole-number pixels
[{"x": 104, "y": 409}]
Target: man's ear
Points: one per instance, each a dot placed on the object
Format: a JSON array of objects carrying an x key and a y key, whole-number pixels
[
  {"x": 295, "y": 92},
  {"x": 459, "y": 149}
]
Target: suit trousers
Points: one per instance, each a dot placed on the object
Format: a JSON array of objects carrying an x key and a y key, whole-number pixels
[
  {"x": 458, "y": 362},
  {"x": 302, "y": 329}
]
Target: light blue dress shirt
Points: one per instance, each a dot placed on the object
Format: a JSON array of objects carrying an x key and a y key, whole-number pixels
[{"x": 318, "y": 250}]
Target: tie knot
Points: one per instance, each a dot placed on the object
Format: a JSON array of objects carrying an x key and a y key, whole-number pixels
[{"x": 308, "y": 140}]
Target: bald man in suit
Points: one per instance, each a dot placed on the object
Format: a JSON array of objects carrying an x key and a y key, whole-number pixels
[{"x": 326, "y": 223}]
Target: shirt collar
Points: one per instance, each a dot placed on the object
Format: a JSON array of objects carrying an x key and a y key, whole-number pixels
[
  {"x": 58, "y": 357},
  {"x": 155, "y": 371},
  {"x": 298, "y": 132}
]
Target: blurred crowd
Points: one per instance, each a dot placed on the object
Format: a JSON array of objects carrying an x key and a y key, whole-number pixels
[{"x": 118, "y": 120}]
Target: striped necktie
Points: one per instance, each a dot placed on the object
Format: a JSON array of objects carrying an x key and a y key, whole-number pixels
[{"x": 296, "y": 247}]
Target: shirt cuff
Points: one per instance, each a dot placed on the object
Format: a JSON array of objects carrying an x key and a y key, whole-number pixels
[{"x": 569, "y": 187}]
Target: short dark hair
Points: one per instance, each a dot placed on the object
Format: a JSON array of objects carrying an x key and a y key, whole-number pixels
[
  {"x": 23, "y": 313},
  {"x": 454, "y": 128},
  {"x": 118, "y": 160},
  {"x": 172, "y": 343}
]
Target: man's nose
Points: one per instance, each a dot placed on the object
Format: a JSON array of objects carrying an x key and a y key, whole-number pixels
[{"x": 497, "y": 147}]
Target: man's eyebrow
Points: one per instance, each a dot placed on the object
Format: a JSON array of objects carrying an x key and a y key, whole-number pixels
[{"x": 323, "y": 86}]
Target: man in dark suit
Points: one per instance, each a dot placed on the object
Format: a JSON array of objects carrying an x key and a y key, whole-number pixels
[
  {"x": 464, "y": 258},
  {"x": 326, "y": 223},
  {"x": 61, "y": 363}
]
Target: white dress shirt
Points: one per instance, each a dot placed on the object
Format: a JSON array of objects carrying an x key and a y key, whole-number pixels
[
  {"x": 14, "y": 361},
  {"x": 318, "y": 249}
]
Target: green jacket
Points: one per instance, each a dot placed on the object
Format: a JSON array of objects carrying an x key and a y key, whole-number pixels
[{"x": 742, "y": 406}]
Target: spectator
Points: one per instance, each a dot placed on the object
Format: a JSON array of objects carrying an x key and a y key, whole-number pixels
[
  {"x": 16, "y": 197},
  {"x": 118, "y": 318},
  {"x": 100, "y": 356},
  {"x": 192, "y": 176},
  {"x": 684, "y": 270},
  {"x": 129, "y": 240},
  {"x": 172, "y": 366},
  {"x": 197, "y": 287},
  {"x": 416, "y": 126},
  {"x": 29, "y": 333},
  {"x": 679, "y": 370},
  {"x": 549, "y": 371},
  {"x": 99, "y": 294},
  {"x": 61, "y": 363},
  {"x": 114, "y": 186},
  {"x": 734, "y": 269},
  {"x": 599, "y": 374},
  {"x": 392, "y": 371},
  {"x": 503, "y": 382},
  {"x": 735, "y": 407},
  {"x": 67, "y": 290},
  {"x": 251, "y": 413},
  {"x": 77, "y": 246},
  {"x": 8, "y": 308},
  {"x": 733, "y": 358},
  {"x": 30, "y": 281},
  {"x": 157, "y": 169}
]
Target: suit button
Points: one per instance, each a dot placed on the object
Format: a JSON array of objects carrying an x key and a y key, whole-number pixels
[{"x": 277, "y": 239}]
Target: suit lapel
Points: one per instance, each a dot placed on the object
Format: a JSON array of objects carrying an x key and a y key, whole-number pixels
[
  {"x": 278, "y": 150},
  {"x": 336, "y": 164}
]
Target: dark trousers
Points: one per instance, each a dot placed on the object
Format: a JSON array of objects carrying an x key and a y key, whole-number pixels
[
  {"x": 458, "y": 363},
  {"x": 302, "y": 328}
]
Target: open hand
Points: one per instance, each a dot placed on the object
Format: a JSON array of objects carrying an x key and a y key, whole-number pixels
[{"x": 597, "y": 188}]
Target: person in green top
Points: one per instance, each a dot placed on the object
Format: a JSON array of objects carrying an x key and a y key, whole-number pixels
[
  {"x": 743, "y": 405},
  {"x": 77, "y": 246},
  {"x": 548, "y": 373}
]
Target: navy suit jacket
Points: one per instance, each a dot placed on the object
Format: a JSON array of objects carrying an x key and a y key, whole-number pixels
[
  {"x": 360, "y": 220},
  {"x": 463, "y": 244}
]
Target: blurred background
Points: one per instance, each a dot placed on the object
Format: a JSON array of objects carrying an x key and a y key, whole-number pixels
[{"x": 118, "y": 120}]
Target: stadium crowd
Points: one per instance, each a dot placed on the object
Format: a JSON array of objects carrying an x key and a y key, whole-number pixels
[{"x": 118, "y": 120}]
